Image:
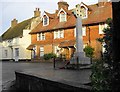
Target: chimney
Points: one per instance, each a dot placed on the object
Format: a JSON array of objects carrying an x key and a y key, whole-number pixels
[
  {"x": 102, "y": 2},
  {"x": 14, "y": 22},
  {"x": 37, "y": 12},
  {"x": 63, "y": 5}
]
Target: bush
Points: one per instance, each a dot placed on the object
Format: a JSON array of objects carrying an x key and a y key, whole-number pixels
[
  {"x": 89, "y": 51},
  {"x": 49, "y": 56},
  {"x": 100, "y": 77},
  {"x": 102, "y": 71}
]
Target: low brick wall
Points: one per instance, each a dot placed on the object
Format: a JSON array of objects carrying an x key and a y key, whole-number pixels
[{"x": 30, "y": 83}]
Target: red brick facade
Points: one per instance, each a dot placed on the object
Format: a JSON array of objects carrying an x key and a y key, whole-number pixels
[{"x": 68, "y": 40}]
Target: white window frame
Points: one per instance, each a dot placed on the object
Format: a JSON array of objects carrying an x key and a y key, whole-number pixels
[
  {"x": 101, "y": 27},
  {"x": 44, "y": 19},
  {"x": 6, "y": 53},
  {"x": 75, "y": 32},
  {"x": 41, "y": 51},
  {"x": 84, "y": 31},
  {"x": 60, "y": 15},
  {"x": 59, "y": 34},
  {"x": 40, "y": 36}
]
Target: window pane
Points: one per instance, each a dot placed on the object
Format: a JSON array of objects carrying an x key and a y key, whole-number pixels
[
  {"x": 43, "y": 36},
  {"x": 6, "y": 53},
  {"x": 61, "y": 33},
  {"x": 40, "y": 36},
  {"x": 62, "y": 17},
  {"x": 84, "y": 31},
  {"x": 41, "y": 51},
  {"x": 16, "y": 52},
  {"x": 101, "y": 27},
  {"x": 45, "y": 20},
  {"x": 56, "y": 34}
]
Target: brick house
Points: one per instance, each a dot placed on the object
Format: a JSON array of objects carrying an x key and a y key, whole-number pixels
[{"x": 56, "y": 32}]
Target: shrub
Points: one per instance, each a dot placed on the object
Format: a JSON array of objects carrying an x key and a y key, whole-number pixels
[
  {"x": 89, "y": 51},
  {"x": 102, "y": 71},
  {"x": 100, "y": 77},
  {"x": 49, "y": 56}
]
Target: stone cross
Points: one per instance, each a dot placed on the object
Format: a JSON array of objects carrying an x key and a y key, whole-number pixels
[{"x": 82, "y": 59}]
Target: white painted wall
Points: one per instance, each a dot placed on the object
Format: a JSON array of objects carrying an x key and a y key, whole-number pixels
[{"x": 19, "y": 42}]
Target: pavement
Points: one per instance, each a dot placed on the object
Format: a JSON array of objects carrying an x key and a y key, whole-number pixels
[{"x": 44, "y": 70}]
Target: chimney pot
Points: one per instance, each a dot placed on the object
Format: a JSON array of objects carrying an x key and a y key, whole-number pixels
[{"x": 37, "y": 12}]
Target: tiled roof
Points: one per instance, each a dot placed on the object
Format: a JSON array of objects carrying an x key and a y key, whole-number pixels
[
  {"x": 55, "y": 24},
  {"x": 67, "y": 43},
  {"x": 50, "y": 15},
  {"x": 96, "y": 14},
  {"x": 17, "y": 30},
  {"x": 30, "y": 47}
]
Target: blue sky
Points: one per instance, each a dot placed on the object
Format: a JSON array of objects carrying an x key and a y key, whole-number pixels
[{"x": 24, "y": 9}]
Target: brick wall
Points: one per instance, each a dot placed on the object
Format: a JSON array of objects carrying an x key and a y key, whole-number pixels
[{"x": 50, "y": 42}]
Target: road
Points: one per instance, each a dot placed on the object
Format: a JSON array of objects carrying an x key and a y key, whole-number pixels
[
  {"x": 9, "y": 68},
  {"x": 44, "y": 69}
]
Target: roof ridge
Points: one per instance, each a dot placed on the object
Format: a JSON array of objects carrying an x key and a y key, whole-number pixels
[
  {"x": 17, "y": 30},
  {"x": 50, "y": 15}
]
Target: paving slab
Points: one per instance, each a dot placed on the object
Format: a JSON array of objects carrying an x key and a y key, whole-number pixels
[{"x": 78, "y": 76}]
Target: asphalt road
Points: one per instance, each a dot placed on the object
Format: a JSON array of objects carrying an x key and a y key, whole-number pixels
[
  {"x": 44, "y": 69},
  {"x": 9, "y": 68}
]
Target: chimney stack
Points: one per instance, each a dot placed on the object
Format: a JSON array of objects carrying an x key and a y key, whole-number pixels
[
  {"x": 63, "y": 5},
  {"x": 14, "y": 22},
  {"x": 37, "y": 12}
]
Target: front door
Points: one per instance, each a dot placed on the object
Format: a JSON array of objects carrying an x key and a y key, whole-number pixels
[
  {"x": 16, "y": 54},
  {"x": 67, "y": 54}
]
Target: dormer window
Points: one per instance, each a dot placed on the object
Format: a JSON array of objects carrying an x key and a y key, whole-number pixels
[
  {"x": 62, "y": 15},
  {"x": 45, "y": 20}
]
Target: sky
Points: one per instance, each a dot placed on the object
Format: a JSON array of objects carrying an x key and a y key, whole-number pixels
[{"x": 24, "y": 9}]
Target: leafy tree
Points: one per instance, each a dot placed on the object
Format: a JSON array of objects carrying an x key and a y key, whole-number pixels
[{"x": 101, "y": 76}]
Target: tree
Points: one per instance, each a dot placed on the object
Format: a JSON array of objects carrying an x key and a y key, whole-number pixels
[
  {"x": 101, "y": 76},
  {"x": 89, "y": 52}
]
